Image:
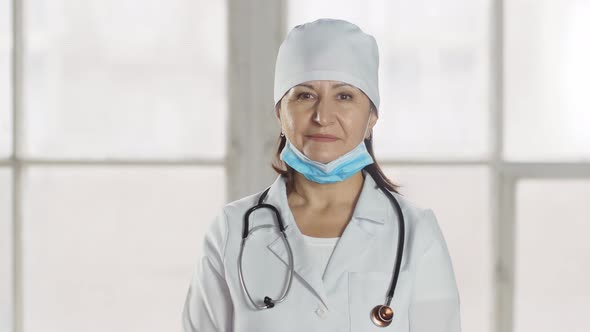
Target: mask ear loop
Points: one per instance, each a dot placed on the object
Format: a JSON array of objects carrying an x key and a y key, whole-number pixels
[{"x": 367, "y": 127}]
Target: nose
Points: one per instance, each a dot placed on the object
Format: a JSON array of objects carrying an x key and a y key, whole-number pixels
[{"x": 324, "y": 112}]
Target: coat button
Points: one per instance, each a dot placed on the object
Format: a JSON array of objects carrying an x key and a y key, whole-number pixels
[{"x": 321, "y": 312}]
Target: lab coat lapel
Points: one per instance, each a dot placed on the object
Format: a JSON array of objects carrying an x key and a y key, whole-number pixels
[
  {"x": 360, "y": 233},
  {"x": 303, "y": 267},
  {"x": 358, "y": 237}
]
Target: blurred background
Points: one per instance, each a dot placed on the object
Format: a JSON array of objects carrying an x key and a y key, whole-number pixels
[{"x": 126, "y": 125}]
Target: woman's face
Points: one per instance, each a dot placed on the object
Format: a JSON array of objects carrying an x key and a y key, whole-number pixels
[{"x": 325, "y": 119}]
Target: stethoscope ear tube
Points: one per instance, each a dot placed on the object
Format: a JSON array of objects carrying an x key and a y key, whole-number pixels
[
  {"x": 261, "y": 205},
  {"x": 246, "y": 232}
]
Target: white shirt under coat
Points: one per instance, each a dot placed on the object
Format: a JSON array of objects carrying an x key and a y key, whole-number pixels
[{"x": 355, "y": 279}]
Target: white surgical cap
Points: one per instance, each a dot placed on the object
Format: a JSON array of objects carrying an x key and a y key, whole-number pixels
[{"x": 328, "y": 49}]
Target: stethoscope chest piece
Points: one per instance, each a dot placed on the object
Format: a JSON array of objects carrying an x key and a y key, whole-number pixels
[{"x": 382, "y": 315}]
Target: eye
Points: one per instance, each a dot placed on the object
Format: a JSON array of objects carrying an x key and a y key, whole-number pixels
[
  {"x": 345, "y": 96},
  {"x": 304, "y": 95}
]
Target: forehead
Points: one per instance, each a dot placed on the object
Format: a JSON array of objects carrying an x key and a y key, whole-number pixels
[{"x": 317, "y": 84}]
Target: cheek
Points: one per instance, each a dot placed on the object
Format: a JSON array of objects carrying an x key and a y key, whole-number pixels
[
  {"x": 289, "y": 126},
  {"x": 292, "y": 123},
  {"x": 355, "y": 128}
]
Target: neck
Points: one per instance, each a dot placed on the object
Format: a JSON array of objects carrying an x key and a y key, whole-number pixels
[{"x": 325, "y": 195}]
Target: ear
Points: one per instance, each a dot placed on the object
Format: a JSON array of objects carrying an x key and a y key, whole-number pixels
[
  {"x": 372, "y": 121},
  {"x": 278, "y": 112}
]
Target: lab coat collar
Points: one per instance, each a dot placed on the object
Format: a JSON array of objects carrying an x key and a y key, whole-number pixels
[
  {"x": 369, "y": 205},
  {"x": 368, "y": 218}
]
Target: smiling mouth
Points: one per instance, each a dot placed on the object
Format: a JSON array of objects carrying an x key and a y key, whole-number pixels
[{"x": 322, "y": 138}]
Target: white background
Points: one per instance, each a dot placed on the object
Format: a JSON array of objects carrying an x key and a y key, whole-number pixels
[{"x": 114, "y": 139}]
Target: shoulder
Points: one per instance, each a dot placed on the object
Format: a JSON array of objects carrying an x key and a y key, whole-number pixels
[
  {"x": 420, "y": 221},
  {"x": 230, "y": 211},
  {"x": 226, "y": 222},
  {"x": 241, "y": 205},
  {"x": 231, "y": 214}
]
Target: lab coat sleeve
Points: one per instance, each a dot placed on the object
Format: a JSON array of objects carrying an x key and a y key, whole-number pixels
[
  {"x": 208, "y": 306},
  {"x": 435, "y": 300}
]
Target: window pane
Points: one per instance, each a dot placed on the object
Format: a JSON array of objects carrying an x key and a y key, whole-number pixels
[
  {"x": 5, "y": 79},
  {"x": 547, "y": 77},
  {"x": 552, "y": 255},
  {"x": 459, "y": 197},
  {"x": 434, "y": 72},
  {"x": 113, "y": 79},
  {"x": 115, "y": 247},
  {"x": 5, "y": 251}
]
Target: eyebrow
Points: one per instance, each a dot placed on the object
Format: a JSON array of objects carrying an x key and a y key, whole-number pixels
[{"x": 334, "y": 86}]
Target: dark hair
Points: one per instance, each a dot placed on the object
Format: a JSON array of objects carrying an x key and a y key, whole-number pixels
[{"x": 373, "y": 169}]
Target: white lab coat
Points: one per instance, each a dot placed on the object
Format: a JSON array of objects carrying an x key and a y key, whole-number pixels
[{"x": 356, "y": 278}]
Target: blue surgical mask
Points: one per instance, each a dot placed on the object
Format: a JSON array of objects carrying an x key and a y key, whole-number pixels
[{"x": 337, "y": 170}]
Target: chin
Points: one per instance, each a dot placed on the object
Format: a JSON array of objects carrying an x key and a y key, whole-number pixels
[
  {"x": 323, "y": 154},
  {"x": 322, "y": 157}
]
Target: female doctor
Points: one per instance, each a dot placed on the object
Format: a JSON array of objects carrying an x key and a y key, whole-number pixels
[{"x": 331, "y": 245}]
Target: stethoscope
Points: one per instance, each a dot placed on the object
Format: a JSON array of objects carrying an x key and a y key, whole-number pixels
[{"x": 381, "y": 315}]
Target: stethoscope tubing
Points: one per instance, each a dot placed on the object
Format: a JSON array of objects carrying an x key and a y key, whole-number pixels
[
  {"x": 400, "y": 245},
  {"x": 268, "y": 302}
]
